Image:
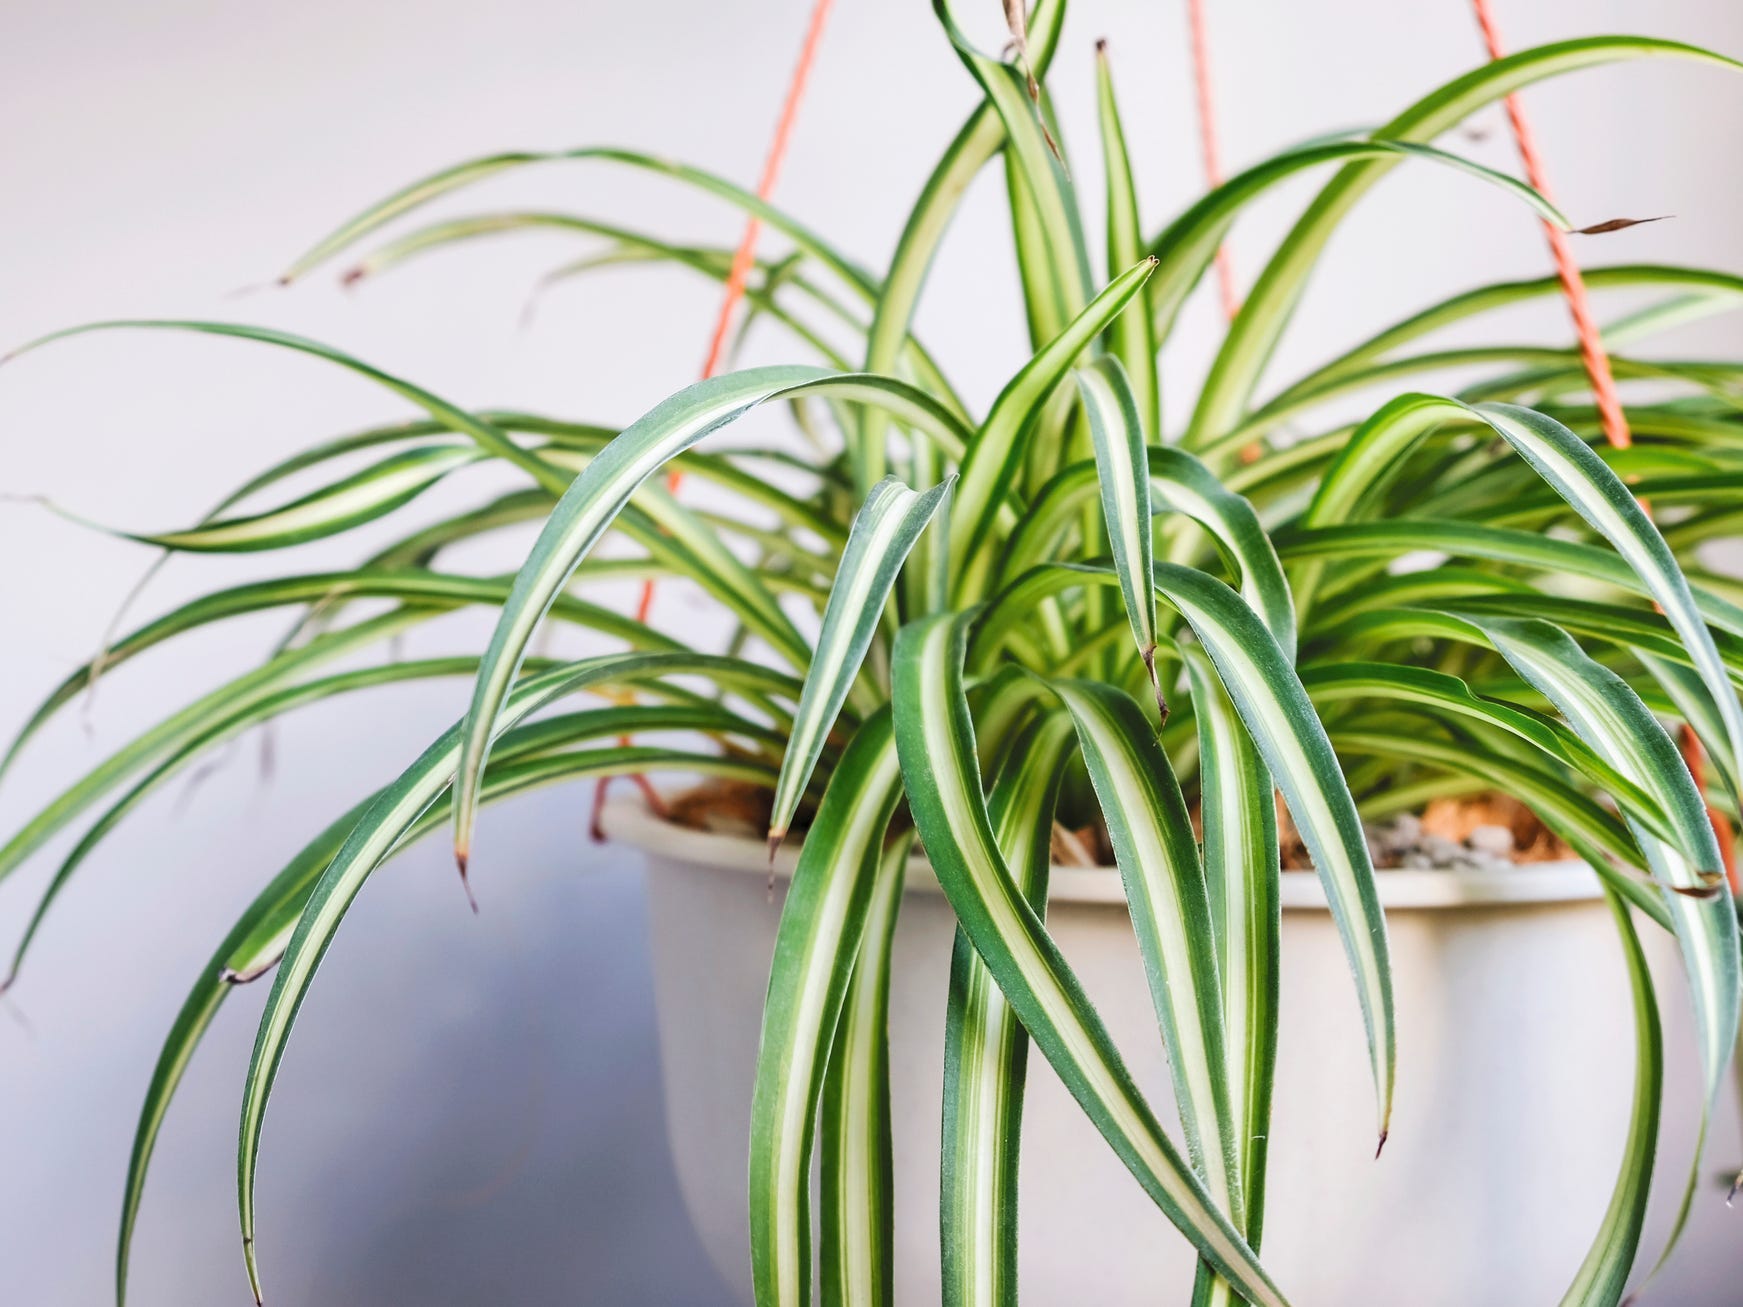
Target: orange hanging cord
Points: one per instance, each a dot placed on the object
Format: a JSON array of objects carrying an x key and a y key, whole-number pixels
[
  {"x": 737, "y": 277},
  {"x": 1207, "y": 142},
  {"x": 1603, "y": 380},
  {"x": 1573, "y": 285}
]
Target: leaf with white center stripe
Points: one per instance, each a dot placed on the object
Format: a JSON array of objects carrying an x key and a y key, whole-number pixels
[
  {"x": 994, "y": 455},
  {"x": 222, "y": 729},
  {"x": 1262, "y": 683},
  {"x": 696, "y": 549},
  {"x": 1686, "y": 692},
  {"x": 1052, "y": 256},
  {"x": 1131, "y": 337},
  {"x": 436, "y": 591},
  {"x": 596, "y": 497},
  {"x": 1122, "y": 470},
  {"x": 1329, "y": 683},
  {"x": 362, "y": 497},
  {"x": 1587, "y": 827},
  {"x": 1530, "y": 549},
  {"x": 935, "y": 740},
  {"x": 1598, "y": 495},
  {"x": 1242, "y": 872},
  {"x": 1275, "y": 292},
  {"x": 436, "y": 185},
  {"x": 986, "y": 1049},
  {"x": 1156, "y": 853},
  {"x": 883, "y": 532},
  {"x": 979, "y": 140},
  {"x": 1717, "y": 289},
  {"x": 535, "y": 754},
  {"x": 1603, "y": 1275},
  {"x": 1183, "y": 484},
  {"x": 1568, "y": 465},
  {"x": 1609, "y": 715},
  {"x": 193, "y": 721},
  {"x": 1189, "y": 243},
  {"x": 857, "y": 1207},
  {"x": 822, "y": 925}
]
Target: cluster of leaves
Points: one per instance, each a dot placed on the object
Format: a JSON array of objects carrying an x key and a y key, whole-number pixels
[{"x": 1103, "y": 620}]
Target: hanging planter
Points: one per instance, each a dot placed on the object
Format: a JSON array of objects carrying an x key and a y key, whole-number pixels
[{"x": 984, "y": 631}]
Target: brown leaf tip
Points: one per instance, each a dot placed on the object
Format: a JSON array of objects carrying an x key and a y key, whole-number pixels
[
  {"x": 1149, "y": 657},
  {"x": 1101, "y": 45},
  {"x": 1618, "y": 224},
  {"x": 775, "y": 838},
  {"x": 461, "y": 859},
  {"x": 1381, "y": 1146}
]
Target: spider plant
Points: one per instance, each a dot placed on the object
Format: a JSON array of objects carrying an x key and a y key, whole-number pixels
[{"x": 970, "y": 628}]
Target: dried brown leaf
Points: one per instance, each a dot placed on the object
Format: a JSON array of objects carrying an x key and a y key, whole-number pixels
[{"x": 1617, "y": 224}]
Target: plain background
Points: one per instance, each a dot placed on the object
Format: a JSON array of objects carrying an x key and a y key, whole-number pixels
[{"x": 470, "y": 1111}]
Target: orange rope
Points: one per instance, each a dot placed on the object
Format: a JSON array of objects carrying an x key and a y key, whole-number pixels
[
  {"x": 1573, "y": 285},
  {"x": 738, "y": 275},
  {"x": 1603, "y": 381},
  {"x": 1207, "y": 142}
]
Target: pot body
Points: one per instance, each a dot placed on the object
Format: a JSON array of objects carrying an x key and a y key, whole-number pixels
[{"x": 1515, "y": 1067}]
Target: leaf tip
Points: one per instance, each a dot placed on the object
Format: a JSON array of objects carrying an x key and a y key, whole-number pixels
[
  {"x": 775, "y": 839},
  {"x": 1148, "y": 654},
  {"x": 351, "y": 276},
  {"x": 253, "y": 1269},
  {"x": 1617, "y": 224},
  {"x": 462, "y": 859},
  {"x": 1101, "y": 47},
  {"x": 1381, "y": 1146}
]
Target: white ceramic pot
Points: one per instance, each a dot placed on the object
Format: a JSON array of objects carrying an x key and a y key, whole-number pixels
[{"x": 1515, "y": 1065}]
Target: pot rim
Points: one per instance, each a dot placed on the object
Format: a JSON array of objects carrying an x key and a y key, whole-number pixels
[{"x": 629, "y": 820}]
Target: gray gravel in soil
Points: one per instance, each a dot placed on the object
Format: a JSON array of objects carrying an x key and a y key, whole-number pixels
[{"x": 1401, "y": 842}]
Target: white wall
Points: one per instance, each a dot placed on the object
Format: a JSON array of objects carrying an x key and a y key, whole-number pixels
[{"x": 469, "y": 1112}]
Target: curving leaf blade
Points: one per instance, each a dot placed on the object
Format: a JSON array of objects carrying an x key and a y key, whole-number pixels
[{"x": 883, "y": 532}]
